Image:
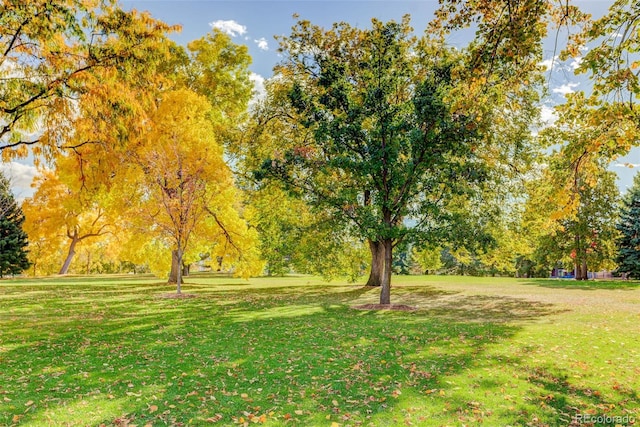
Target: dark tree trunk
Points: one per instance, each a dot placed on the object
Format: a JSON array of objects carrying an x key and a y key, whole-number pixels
[
  {"x": 175, "y": 269},
  {"x": 70, "y": 254},
  {"x": 377, "y": 263},
  {"x": 385, "y": 291},
  {"x": 186, "y": 269},
  {"x": 580, "y": 260},
  {"x": 582, "y": 272}
]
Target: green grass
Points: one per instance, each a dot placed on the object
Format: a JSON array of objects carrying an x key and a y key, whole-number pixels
[{"x": 292, "y": 351}]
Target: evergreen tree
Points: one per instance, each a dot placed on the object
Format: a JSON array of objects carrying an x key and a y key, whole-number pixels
[
  {"x": 13, "y": 239},
  {"x": 628, "y": 257}
]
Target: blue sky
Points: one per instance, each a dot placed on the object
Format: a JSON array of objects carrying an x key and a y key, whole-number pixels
[
  {"x": 262, "y": 20},
  {"x": 256, "y": 22}
]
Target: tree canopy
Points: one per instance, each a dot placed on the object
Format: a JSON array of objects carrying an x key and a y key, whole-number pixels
[
  {"x": 369, "y": 140},
  {"x": 375, "y": 133},
  {"x": 13, "y": 239},
  {"x": 628, "y": 244},
  {"x": 55, "y": 51}
]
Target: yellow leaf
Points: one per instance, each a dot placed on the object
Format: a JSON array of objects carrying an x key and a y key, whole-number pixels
[
  {"x": 29, "y": 403},
  {"x": 152, "y": 409}
]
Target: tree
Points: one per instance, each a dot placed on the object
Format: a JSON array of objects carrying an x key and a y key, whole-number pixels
[
  {"x": 612, "y": 61},
  {"x": 179, "y": 168},
  {"x": 383, "y": 146},
  {"x": 55, "y": 50},
  {"x": 628, "y": 244},
  {"x": 218, "y": 69},
  {"x": 13, "y": 239},
  {"x": 608, "y": 51},
  {"x": 64, "y": 213},
  {"x": 579, "y": 209},
  {"x": 281, "y": 222},
  {"x": 428, "y": 258},
  {"x": 506, "y": 30},
  {"x": 183, "y": 186},
  {"x": 589, "y": 234},
  {"x": 296, "y": 238}
]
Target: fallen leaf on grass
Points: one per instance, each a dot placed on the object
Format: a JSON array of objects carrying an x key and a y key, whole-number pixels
[{"x": 214, "y": 419}]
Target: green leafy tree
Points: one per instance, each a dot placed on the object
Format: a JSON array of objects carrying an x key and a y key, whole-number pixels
[
  {"x": 375, "y": 134},
  {"x": 628, "y": 244},
  {"x": 582, "y": 213},
  {"x": 590, "y": 233},
  {"x": 295, "y": 238},
  {"x": 13, "y": 239},
  {"x": 218, "y": 69},
  {"x": 428, "y": 258}
]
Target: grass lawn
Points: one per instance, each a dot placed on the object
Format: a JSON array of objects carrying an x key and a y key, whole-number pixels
[{"x": 291, "y": 351}]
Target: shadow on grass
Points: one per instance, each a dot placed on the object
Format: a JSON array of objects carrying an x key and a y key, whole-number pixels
[
  {"x": 584, "y": 285},
  {"x": 287, "y": 355},
  {"x": 558, "y": 393}
]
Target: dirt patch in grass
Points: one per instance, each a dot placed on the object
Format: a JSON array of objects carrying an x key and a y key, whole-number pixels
[{"x": 396, "y": 307}]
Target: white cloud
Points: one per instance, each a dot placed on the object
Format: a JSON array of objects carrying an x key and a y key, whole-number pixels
[
  {"x": 547, "y": 115},
  {"x": 21, "y": 176},
  {"x": 262, "y": 43},
  {"x": 230, "y": 27},
  {"x": 549, "y": 63},
  {"x": 259, "y": 89},
  {"x": 565, "y": 88},
  {"x": 575, "y": 63}
]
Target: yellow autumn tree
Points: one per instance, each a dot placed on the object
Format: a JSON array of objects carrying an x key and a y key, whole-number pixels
[
  {"x": 186, "y": 199},
  {"x": 54, "y": 51},
  {"x": 63, "y": 214}
]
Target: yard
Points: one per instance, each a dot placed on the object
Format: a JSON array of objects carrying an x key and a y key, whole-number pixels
[{"x": 293, "y": 351}]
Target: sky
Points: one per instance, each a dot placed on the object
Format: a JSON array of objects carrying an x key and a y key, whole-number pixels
[{"x": 257, "y": 22}]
